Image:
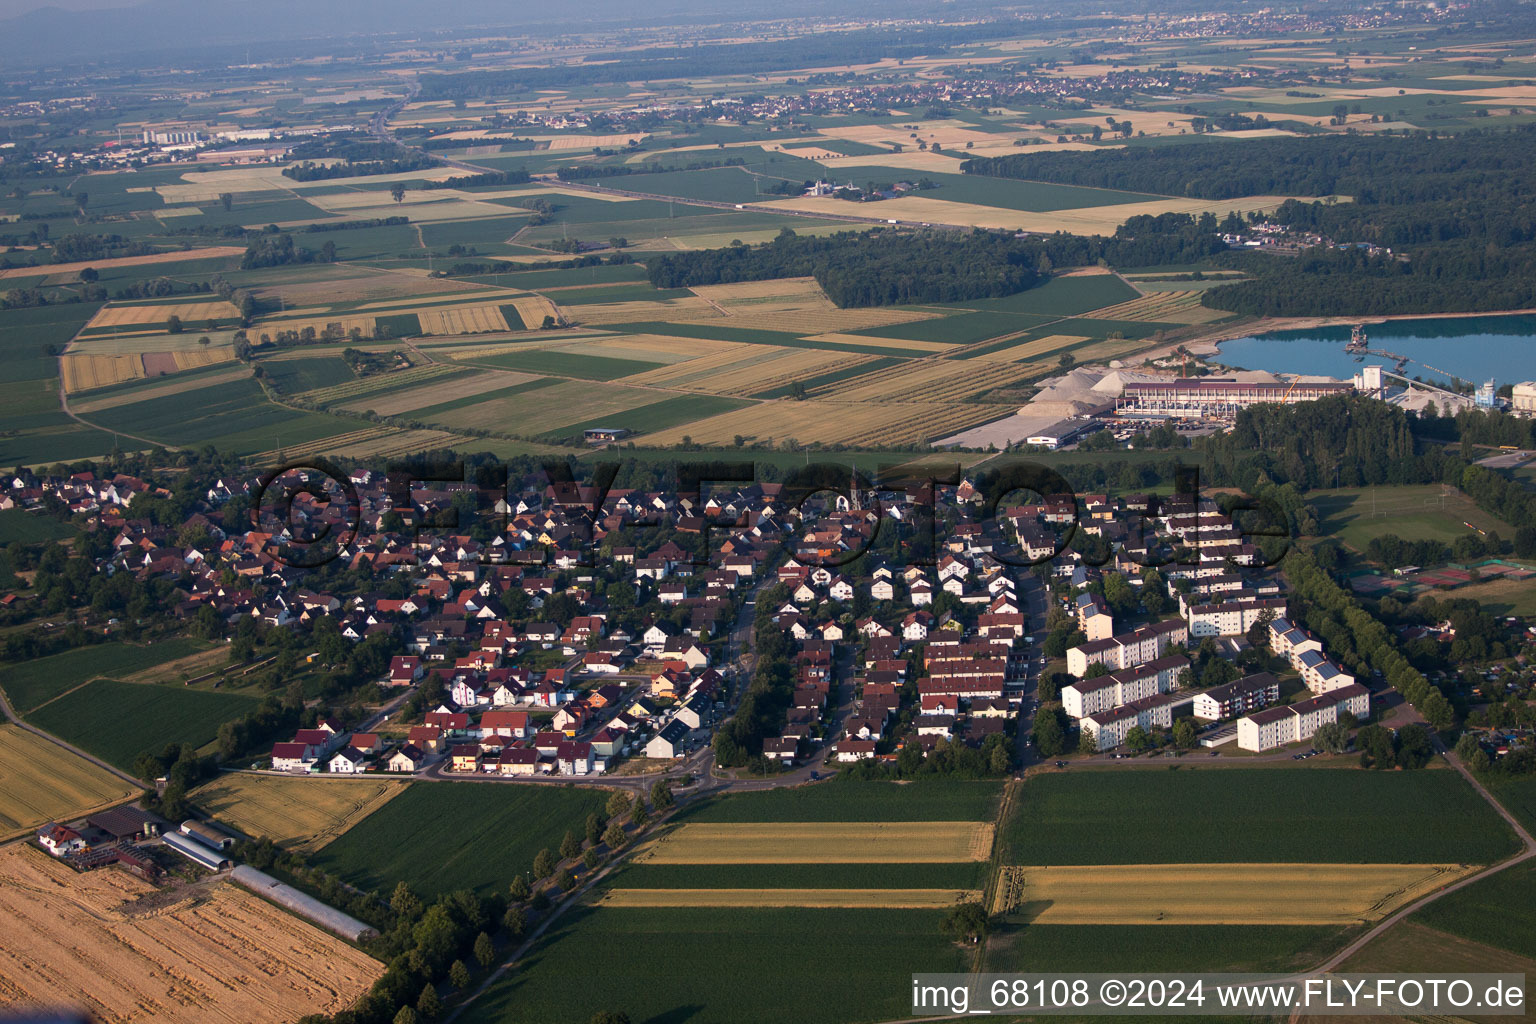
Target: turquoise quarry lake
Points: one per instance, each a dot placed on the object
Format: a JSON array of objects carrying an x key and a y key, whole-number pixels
[{"x": 1474, "y": 348}]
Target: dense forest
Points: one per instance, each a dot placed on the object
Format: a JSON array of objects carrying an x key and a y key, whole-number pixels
[
  {"x": 1455, "y": 211},
  {"x": 880, "y": 268}
]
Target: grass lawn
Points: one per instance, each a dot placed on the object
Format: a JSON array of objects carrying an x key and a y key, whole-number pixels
[
  {"x": 1356, "y": 515},
  {"x": 119, "y": 721},
  {"x": 441, "y": 836},
  {"x": 931, "y": 800},
  {"x": 29, "y": 684},
  {"x": 748, "y": 966},
  {"x": 1189, "y": 815}
]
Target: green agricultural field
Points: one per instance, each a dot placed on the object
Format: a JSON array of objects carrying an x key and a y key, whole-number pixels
[
  {"x": 536, "y": 280},
  {"x": 669, "y": 412},
  {"x": 1487, "y": 911},
  {"x": 748, "y": 966},
  {"x": 26, "y": 334},
  {"x": 961, "y": 328},
  {"x": 441, "y": 836},
  {"x": 1192, "y": 815},
  {"x": 968, "y": 875},
  {"x": 398, "y": 325},
  {"x": 1076, "y": 947},
  {"x": 1060, "y": 296},
  {"x": 291, "y": 376},
  {"x": 567, "y": 364},
  {"x": 1003, "y": 193},
  {"x": 119, "y": 721},
  {"x": 514, "y": 319},
  {"x": 1356, "y": 515},
  {"x": 234, "y": 417},
  {"x": 614, "y": 293},
  {"x": 29, "y": 684},
  {"x": 839, "y": 800},
  {"x": 32, "y": 527},
  {"x": 1517, "y": 793}
]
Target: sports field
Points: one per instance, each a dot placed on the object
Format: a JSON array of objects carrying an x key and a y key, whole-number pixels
[
  {"x": 1355, "y": 516},
  {"x": 40, "y": 781},
  {"x": 302, "y": 814}
]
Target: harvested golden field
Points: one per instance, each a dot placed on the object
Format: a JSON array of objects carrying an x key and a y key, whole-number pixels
[
  {"x": 1091, "y": 220},
  {"x": 208, "y": 253},
  {"x": 1169, "y": 307},
  {"x": 301, "y": 814},
  {"x": 873, "y": 899},
  {"x": 655, "y": 348},
  {"x": 82, "y": 372},
  {"x": 117, "y": 316},
  {"x": 40, "y": 781},
  {"x": 688, "y": 309},
  {"x": 1030, "y": 349},
  {"x": 822, "y": 321},
  {"x": 375, "y": 442},
  {"x": 376, "y": 382},
  {"x": 343, "y": 324},
  {"x": 908, "y": 344},
  {"x": 745, "y": 369},
  {"x": 820, "y": 842},
  {"x": 934, "y": 380},
  {"x": 436, "y": 393},
  {"x": 1202, "y": 894},
  {"x": 172, "y": 386},
  {"x": 825, "y": 422},
  {"x": 748, "y": 292},
  {"x": 221, "y": 954},
  {"x": 462, "y": 320},
  {"x": 193, "y": 358},
  {"x": 533, "y": 309}
]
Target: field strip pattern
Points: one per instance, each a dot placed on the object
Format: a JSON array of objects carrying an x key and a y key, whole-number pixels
[
  {"x": 1212, "y": 894},
  {"x": 911, "y": 842},
  {"x": 437, "y": 393},
  {"x": 890, "y": 899}
]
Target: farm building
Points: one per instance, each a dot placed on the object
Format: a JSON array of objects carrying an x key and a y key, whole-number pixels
[
  {"x": 128, "y": 823},
  {"x": 602, "y": 435},
  {"x": 196, "y": 852},
  {"x": 307, "y": 907},
  {"x": 213, "y": 838}
]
